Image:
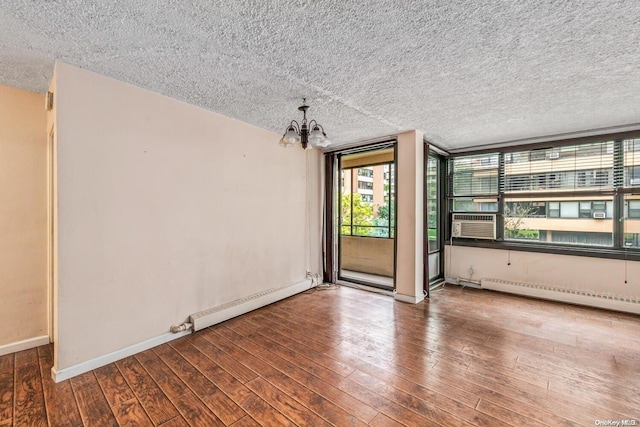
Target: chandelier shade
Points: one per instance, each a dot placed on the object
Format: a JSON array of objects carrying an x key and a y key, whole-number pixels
[{"x": 299, "y": 132}]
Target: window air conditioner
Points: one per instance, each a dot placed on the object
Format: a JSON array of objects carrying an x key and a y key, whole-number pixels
[
  {"x": 554, "y": 155},
  {"x": 599, "y": 215},
  {"x": 634, "y": 181},
  {"x": 474, "y": 226}
]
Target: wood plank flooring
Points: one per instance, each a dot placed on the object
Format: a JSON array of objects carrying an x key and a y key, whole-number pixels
[{"x": 347, "y": 357}]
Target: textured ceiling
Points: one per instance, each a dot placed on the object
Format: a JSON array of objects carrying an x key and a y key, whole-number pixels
[{"x": 466, "y": 73}]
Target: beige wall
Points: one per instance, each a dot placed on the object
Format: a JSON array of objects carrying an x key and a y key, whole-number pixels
[
  {"x": 23, "y": 221},
  {"x": 599, "y": 275},
  {"x": 371, "y": 255},
  {"x": 410, "y": 195},
  {"x": 166, "y": 209}
]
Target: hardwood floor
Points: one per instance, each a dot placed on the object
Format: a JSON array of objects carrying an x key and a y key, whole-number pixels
[{"x": 349, "y": 357}]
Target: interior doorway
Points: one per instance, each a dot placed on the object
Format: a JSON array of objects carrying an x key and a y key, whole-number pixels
[{"x": 366, "y": 216}]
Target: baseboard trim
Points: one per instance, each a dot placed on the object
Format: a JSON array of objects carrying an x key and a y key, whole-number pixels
[
  {"x": 200, "y": 320},
  {"x": 218, "y": 314},
  {"x": 408, "y": 298},
  {"x": 14, "y": 347},
  {"x": 89, "y": 365}
]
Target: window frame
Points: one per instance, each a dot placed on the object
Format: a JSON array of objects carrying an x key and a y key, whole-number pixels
[{"x": 617, "y": 193}]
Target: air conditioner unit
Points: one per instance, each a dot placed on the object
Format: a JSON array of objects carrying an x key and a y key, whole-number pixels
[
  {"x": 554, "y": 155},
  {"x": 474, "y": 226},
  {"x": 634, "y": 181},
  {"x": 599, "y": 215}
]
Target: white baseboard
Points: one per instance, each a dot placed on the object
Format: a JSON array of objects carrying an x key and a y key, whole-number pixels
[
  {"x": 572, "y": 296},
  {"x": 23, "y": 345},
  {"x": 408, "y": 298},
  {"x": 200, "y": 320},
  {"x": 215, "y": 315},
  {"x": 89, "y": 365}
]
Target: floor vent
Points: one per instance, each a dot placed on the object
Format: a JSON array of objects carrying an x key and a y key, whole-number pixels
[
  {"x": 220, "y": 313},
  {"x": 573, "y": 296}
]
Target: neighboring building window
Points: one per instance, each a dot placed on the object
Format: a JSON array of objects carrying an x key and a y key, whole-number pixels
[
  {"x": 633, "y": 207},
  {"x": 585, "y": 209},
  {"x": 365, "y": 185},
  {"x": 632, "y": 221}
]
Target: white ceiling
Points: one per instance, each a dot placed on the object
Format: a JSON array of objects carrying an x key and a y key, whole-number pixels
[{"x": 466, "y": 73}]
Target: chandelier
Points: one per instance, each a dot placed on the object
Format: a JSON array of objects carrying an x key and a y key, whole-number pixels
[{"x": 299, "y": 132}]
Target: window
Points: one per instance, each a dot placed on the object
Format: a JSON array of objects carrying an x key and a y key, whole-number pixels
[
  {"x": 585, "y": 209},
  {"x": 553, "y": 169},
  {"x": 521, "y": 217},
  {"x": 632, "y": 221},
  {"x": 564, "y": 195},
  {"x": 535, "y": 155},
  {"x": 578, "y": 221},
  {"x": 474, "y": 176},
  {"x": 367, "y": 212},
  {"x": 433, "y": 203},
  {"x": 365, "y": 172},
  {"x": 632, "y": 163},
  {"x": 365, "y": 185},
  {"x": 569, "y": 209},
  {"x": 475, "y": 205},
  {"x": 633, "y": 208}
]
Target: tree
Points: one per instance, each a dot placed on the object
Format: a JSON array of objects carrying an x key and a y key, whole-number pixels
[
  {"x": 384, "y": 210},
  {"x": 514, "y": 213},
  {"x": 362, "y": 215}
]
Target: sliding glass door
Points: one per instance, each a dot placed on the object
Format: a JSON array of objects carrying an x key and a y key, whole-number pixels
[{"x": 366, "y": 217}]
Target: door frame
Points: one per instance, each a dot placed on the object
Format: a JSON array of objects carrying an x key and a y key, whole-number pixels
[
  {"x": 433, "y": 151},
  {"x": 331, "y": 232},
  {"x": 51, "y": 231}
]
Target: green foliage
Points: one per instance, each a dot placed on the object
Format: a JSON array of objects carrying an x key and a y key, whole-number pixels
[
  {"x": 384, "y": 210},
  {"x": 523, "y": 234},
  {"x": 362, "y": 215},
  {"x": 513, "y": 224}
]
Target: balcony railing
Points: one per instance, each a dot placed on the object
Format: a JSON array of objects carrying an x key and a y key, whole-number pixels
[{"x": 379, "y": 231}]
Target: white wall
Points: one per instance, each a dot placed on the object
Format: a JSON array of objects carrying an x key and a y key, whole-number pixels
[
  {"x": 597, "y": 275},
  {"x": 23, "y": 220},
  {"x": 166, "y": 209}
]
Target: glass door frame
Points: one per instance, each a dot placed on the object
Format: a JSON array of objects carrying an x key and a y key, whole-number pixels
[
  {"x": 442, "y": 219},
  {"x": 332, "y": 229}
]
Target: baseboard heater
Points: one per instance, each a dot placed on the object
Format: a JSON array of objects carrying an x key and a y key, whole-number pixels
[
  {"x": 218, "y": 314},
  {"x": 573, "y": 296}
]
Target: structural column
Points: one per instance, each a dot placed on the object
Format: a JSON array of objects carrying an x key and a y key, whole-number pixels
[{"x": 410, "y": 223}]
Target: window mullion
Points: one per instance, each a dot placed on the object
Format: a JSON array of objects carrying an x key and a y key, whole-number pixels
[
  {"x": 501, "y": 187},
  {"x": 618, "y": 198}
]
